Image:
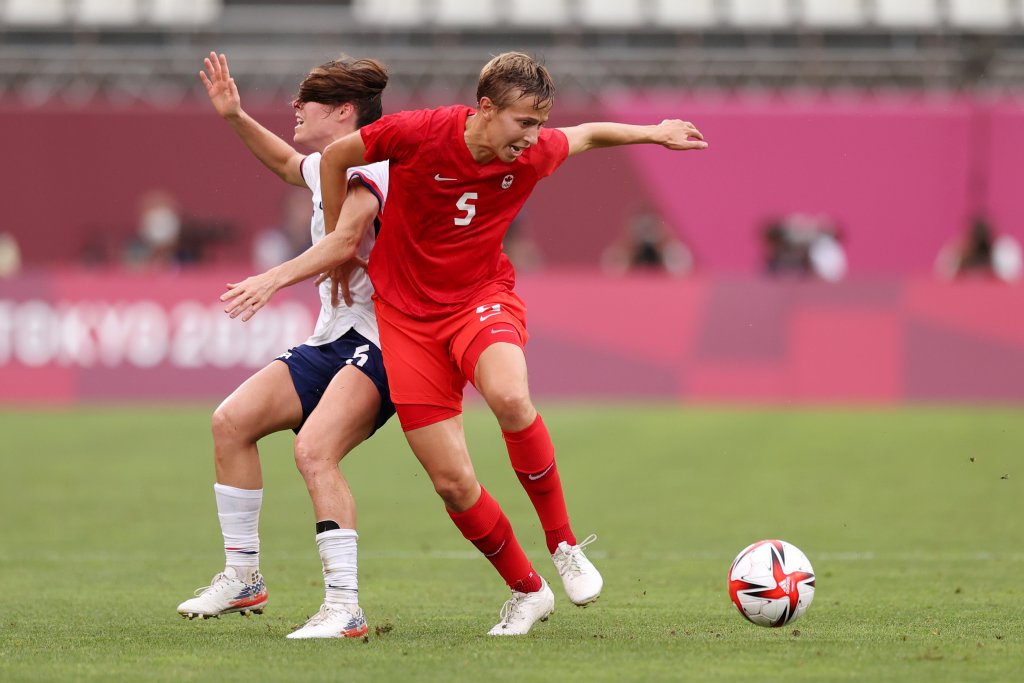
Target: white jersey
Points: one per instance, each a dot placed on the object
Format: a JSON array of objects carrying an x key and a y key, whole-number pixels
[{"x": 336, "y": 321}]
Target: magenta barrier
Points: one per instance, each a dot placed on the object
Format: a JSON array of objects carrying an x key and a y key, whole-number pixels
[
  {"x": 71, "y": 337},
  {"x": 902, "y": 175}
]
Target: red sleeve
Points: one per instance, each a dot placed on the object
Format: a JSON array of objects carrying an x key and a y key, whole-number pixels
[
  {"x": 395, "y": 136},
  {"x": 554, "y": 148}
]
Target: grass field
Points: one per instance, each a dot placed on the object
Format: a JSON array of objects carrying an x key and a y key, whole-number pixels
[{"x": 914, "y": 520}]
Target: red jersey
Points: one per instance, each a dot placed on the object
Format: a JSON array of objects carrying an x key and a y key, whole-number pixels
[{"x": 439, "y": 247}]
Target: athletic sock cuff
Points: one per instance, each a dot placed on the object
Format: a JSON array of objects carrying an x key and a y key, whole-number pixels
[
  {"x": 524, "y": 434},
  {"x": 337, "y": 533},
  {"x": 232, "y": 492},
  {"x": 530, "y": 450},
  {"x": 480, "y": 519}
]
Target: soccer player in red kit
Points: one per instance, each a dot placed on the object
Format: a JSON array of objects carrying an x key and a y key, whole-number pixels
[{"x": 446, "y": 309}]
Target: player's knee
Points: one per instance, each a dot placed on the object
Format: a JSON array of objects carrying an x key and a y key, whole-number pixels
[
  {"x": 514, "y": 410},
  {"x": 456, "y": 490},
  {"x": 224, "y": 425},
  {"x": 308, "y": 458}
]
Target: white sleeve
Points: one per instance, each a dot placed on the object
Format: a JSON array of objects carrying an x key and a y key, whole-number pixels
[
  {"x": 310, "y": 168},
  {"x": 375, "y": 177}
]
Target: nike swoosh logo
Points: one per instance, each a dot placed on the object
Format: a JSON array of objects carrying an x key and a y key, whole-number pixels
[
  {"x": 489, "y": 315},
  {"x": 439, "y": 179},
  {"x": 500, "y": 331},
  {"x": 535, "y": 477},
  {"x": 496, "y": 551}
]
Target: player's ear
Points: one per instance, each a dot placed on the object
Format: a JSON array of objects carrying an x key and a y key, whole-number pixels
[
  {"x": 345, "y": 110},
  {"x": 487, "y": 107}
]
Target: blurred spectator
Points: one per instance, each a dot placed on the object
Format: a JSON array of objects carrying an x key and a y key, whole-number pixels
[
  {"x": 647, "y": 245},
  {"x": 520, "y": 248},
  {"x": 804, "y": 246},
  {"x": 97, "y": 249},
  {"x": 158, "y": 232},
  {"x": 163, "y": 237},
  {"x": 290, "y": 237},
  {"x": 10, "y": 255},
  {"x": 980, "y": 252}
]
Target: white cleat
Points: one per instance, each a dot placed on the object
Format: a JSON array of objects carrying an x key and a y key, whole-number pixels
[
  {"x": 227, "y": 593},
  {"x": 523, "y": 610},
  {"x": 345, "y": 621},
  {"x": 580, "y": 577}
]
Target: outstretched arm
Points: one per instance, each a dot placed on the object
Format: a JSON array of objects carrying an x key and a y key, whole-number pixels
[
  {"x": 272, "y": 151},
  {"x": 247, "y": 297},
  {"x": 340, "y": 155},
  {"x": 671, "y": 133}
]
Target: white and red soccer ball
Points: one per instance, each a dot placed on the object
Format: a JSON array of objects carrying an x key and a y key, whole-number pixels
[{"x": 771, "y": 583}]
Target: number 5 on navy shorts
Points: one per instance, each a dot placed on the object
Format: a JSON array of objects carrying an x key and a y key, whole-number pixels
[{"x": 313, "y": 367}]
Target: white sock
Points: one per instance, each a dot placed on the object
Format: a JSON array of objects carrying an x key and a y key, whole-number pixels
[
  {"x": 239, "y": 512},
  {"x": 338, "y": 555}
]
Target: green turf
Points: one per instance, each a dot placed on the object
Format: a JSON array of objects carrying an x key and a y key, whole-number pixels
[{"x": 912, "y": 519}]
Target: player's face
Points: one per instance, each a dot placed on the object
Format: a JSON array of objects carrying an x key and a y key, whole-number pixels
[
  {"x": 318, "y": 125},
  {"x": 514, "y": 128}
]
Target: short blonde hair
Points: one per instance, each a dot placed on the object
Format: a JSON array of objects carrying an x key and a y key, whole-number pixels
[{"x": 512, "y": 76}]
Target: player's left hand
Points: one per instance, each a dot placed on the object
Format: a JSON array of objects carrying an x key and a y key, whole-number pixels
[
  {"x": 247, "y": 297},
  {"x": 680, "y": 135}
]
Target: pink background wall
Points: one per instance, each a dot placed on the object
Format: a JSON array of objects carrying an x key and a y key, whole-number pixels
[
  {"x": 68, "y": 337},
  {"x": 897, "y": 173}
]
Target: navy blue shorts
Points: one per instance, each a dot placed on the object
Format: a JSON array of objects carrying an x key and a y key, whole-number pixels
[{"x": 313, "y": 367}]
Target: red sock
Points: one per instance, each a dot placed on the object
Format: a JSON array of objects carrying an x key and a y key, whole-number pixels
[
  {"x": 533, "y": 458},
  {"x": 487, "y": 527}
]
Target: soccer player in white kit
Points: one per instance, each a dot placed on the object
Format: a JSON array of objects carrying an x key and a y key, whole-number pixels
[{"x": 332, "y": 389}]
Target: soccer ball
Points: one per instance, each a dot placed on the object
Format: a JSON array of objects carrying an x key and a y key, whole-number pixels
[{"x": 771, "y": 583}]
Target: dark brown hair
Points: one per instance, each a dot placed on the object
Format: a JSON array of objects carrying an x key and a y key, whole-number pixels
[
  {"x": 512, "y": 76},
  {"x": 359, "y": 81}
]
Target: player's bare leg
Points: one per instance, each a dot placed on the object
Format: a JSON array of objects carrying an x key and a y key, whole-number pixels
[
  {"x": 263, "y": 404},
  {"x": 441, "y": 449},
  {"x": 501, "y": 377},
  {"x": 344, "y": 418}
]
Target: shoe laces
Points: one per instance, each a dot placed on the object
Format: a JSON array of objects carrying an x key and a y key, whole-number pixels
[
  {"x": 320, "y": 617},
  {"x": 326, "y": 612},
  {"x": 568, "y": 561},
  {"x": 214, "y": 583},
  {"x": 511, "y": 607}
]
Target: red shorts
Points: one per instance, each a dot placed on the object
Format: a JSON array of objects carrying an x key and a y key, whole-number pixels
[{"x": 425, "y": 359}]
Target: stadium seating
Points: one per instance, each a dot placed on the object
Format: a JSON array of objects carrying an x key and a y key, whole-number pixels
[
  {"x": 980, "y": 14},
  {"x": 907, "y": 14},
  {"x": 109, "y": 14},
  {"x": 538, "y": 13},
  {"x": 34, "y": 12},
  {"x": 183, "y": 12},
  {"x": 106, "y": 12},
  {"x": 612, "y": 13},
  {"x": 759, "y": 13},
  {"x": 398, "y": 13},
  {"x": 572, "y": 15},
  {"x": 461, "y": 13},
  {"x": 603, "y": 43},
  {"x": 685, "y": 13},
  {"x": 833, "y": 13}
]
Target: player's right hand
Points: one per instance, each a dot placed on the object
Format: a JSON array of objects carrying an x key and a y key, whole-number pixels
[
  {"x": 247, "y": 297},
  {"x": 220, "y": 86}
]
